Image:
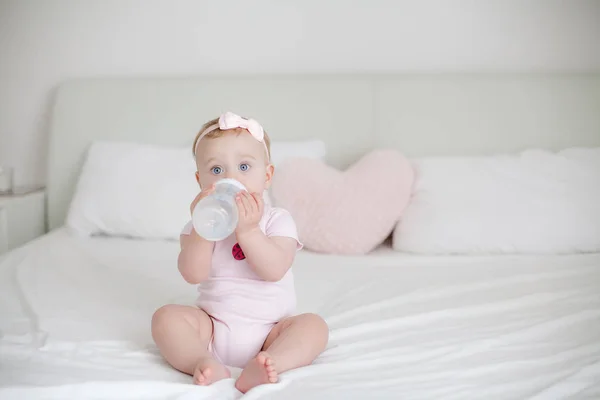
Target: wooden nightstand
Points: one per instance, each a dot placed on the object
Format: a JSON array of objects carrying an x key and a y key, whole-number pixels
[{"x": 22, "y": 217}]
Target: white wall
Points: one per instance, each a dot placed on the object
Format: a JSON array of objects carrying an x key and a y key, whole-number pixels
[{"x": 45, "y": 42}]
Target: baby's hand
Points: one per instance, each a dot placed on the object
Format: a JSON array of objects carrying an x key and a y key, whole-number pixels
[
  {"x": 200, "y": 196},
  {"x": 250, "y": 211}
]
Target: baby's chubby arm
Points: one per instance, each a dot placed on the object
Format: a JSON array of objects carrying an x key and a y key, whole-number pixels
[
  {"x": 195, "y": 257},
  {"x": 269, "y": 257}
]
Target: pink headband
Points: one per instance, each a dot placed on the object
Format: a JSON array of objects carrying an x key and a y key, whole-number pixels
[{"x": 230, "y": 120}]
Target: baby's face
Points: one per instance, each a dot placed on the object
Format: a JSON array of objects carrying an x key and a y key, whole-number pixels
[{"x": 237, "y": 155}]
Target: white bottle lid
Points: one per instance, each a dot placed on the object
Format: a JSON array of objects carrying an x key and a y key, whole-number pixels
[
  {"x": 230, "y": 181},
  {"x": 201, "y": 217}
]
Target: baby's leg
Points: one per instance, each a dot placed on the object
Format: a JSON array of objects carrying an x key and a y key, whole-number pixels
[
  {"x": 182, "y": 334},
  {"x": 292, "y": 343}
]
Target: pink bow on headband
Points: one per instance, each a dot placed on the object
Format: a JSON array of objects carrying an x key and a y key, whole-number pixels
[{"x": 230, "y": 120}]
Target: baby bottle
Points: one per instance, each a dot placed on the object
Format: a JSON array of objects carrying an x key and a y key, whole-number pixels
[{"x": 215, "y": 217}]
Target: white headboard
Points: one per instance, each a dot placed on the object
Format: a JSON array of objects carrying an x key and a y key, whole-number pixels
[{"x": 418, "y": 114}]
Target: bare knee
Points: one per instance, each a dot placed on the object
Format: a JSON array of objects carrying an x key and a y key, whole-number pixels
[
  {"x": 172, "y": 319},
  {"x": 315, "y": 323},
  {"x": 163, "y": 318},
  {"x": 163, "y": 314}
]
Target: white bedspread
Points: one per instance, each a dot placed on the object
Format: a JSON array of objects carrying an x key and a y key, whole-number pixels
[{"x": 75, "y": 316}]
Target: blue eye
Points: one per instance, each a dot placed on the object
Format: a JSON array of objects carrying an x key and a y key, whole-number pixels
[
  {"x": 244, "y": 167},
  {"x": 216, "y": 170}
]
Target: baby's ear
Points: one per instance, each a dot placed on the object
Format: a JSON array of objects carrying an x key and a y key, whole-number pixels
[
  {"x": 269, "y": 175},
  {"x": 198, "y": 179}
]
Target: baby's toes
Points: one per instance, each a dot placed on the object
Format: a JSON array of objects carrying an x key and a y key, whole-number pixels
[
  {"x": 272, "y": 376},
  {"x": 201, "y": 377},
  {"x": 262, "y": 359}
]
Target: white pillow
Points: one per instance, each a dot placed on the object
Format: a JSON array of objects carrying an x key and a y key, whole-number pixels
[
  {"x": 128, "y": 189},
  {"x": 535, "y": 202},
  {"x": 145, "y": 191}
]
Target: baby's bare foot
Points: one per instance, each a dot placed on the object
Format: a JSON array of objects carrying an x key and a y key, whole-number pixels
[
  {"x": 209, "y": 371},
  {"x": 259, "y": 370}
]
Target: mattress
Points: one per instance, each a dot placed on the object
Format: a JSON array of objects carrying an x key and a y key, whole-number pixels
[{"x": 75, "y": 323}]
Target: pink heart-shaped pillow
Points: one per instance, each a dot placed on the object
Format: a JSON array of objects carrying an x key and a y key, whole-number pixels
[{"x": 349, "y": 212}]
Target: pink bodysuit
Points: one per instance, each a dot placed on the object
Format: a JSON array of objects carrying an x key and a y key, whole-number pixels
[{"x": 244, "y": 308}]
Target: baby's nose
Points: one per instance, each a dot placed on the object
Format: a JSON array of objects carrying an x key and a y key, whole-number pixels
[{"x": 232, "y": 175}]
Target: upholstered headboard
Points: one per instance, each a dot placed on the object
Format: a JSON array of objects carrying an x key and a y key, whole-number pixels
[{"x": 418, "y": 114}]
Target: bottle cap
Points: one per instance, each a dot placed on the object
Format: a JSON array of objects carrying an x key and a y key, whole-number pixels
[{"x": 229, "y": 181}]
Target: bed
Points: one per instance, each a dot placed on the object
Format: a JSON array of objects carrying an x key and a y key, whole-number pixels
[{"x": 75, "y": 311}]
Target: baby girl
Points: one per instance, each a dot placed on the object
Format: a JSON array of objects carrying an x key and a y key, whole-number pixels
[{"x": 244, "y": 314}]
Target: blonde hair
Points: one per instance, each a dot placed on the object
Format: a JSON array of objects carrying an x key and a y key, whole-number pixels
[{"x": 218, "y": 133}]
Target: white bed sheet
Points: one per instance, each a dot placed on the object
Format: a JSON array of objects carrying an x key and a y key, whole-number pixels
[{"x": 75, "y": 313}]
